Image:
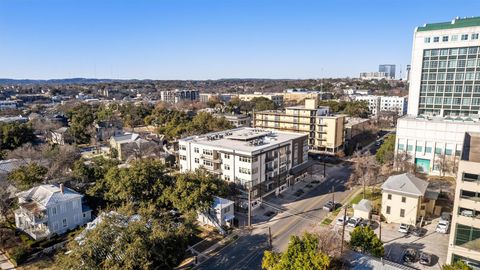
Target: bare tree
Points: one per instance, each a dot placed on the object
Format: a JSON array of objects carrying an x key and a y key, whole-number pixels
[
  {"x": 445, "y": 164},
  {"x": 403, "y": 162},
  {"x": 365, "y": 171}
]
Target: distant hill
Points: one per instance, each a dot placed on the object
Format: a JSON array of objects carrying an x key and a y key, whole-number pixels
[{"x": 57, "y": 81}]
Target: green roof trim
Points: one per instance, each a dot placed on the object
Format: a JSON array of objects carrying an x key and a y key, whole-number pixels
[{"x": 456, "y": 23}]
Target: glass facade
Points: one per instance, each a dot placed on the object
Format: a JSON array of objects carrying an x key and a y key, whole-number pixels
[
  {"x": 450, "y": 84},
  {"x": 467, "y": 237}
]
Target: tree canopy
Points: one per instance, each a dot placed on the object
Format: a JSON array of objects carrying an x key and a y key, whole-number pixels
[
  {"x": 14, "y": 135},
  {"x": 81, "y": 119},
  {"x": 457, "y": 265},
  {"x": 302, "y": 253},
  {"x": 27, "y": 176},
  {"x": 386, "y": 152},
  {"x": 365, "y": 239},
  {"x": 151, "y": 241}
]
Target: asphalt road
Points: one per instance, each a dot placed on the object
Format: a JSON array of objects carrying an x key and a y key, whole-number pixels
[{"x": 295, "y": 215}]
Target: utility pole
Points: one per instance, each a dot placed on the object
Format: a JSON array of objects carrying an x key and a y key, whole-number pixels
[
  {"x": 324, "y": 169},
  {"x": 249, "y": 208},
  {"x": 343, "y": 229},
  {"x": 333, "y": 197},
  {"x": 270, "y": 237}
]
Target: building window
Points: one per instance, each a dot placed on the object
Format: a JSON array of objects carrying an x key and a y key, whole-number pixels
[
  {"x": 428, "y": 149},
  {"x": 196, "y": 150},
  {"x": 465, "y": 37},
  {"x": 64, "y": 222},
  {"x": 436, "y": 39},
  {"x": 388, "y": 210},
  {"x": 454, "y": 38},
  {"x": 183, "y": 147},
  {"x": 475, "y": 36},
  {"x": 245, "y": 159},
  {"x": 389, "y": 196},
  {"x": 197, "y": 160},
  {"x": 404, "y": 199},
  {"x": 402, "y": 212},
  {"x": 401, "y": 146},
  {"x": 244, "y": 170},
  {"x": 438, "y": 151},
  {"x": 445, "y": 38},
  {"x": 419, "y": 149},
  {"x": 227, "y": 167},
  {"x": 227, "y": 177},
  {"x": 227, "y": 156},
  {"x": 410, "y": 148},
  {"x": 182, "y": 157},
  {"x": 448, "y": 152},
  {"x": 207, "y": 152},
  {"x": 207, "y": 163},
  {"x": 54, "y": 210},
  {"x": 427, "y": 40},
  {"x": 422, "y": 207}
]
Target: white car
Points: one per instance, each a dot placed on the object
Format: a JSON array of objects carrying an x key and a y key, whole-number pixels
[
  {"x": 342, "y": 220},
  {"x": 354, "y": 221},
  {"x": 443, "y": 226},
  {"x": 404, "y": 228}
]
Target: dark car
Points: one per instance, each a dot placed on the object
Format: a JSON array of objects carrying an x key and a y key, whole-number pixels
[
  {"x": 426, "y": 259},
  {"x": 366, "y": 223},
  {"x": 418, "y": 231},
  {"x": 299, "y": 192},
  {"x": 410, "y": 255},
  {"x": 329, "y": 206}
]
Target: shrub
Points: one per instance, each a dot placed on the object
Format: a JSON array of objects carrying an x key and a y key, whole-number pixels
[{"x": 19, "y": 254}]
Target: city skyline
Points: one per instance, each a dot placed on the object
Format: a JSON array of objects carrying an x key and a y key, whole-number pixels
[{"x": 210, "y": 40}]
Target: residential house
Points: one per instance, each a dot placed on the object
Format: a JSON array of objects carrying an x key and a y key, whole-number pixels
[
  {"x": 220, "y": 214},
  {"x": 60, "y": 136},
  {"x": 46, "y": 210},
  {"x": 406, "y": 199},
  {"x": 104, "y": 130},
  {"x": 131, "y": 144}
]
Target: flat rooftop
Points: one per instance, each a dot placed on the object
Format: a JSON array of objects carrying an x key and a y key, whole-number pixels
[
  {"x": 244, "y": 139},
  {"x": 438, "y": 119},
  {"x": 455, "y": 23},
  {"x": 471, "y": 147}
]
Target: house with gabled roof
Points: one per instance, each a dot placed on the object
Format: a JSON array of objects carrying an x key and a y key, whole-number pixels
[
  {"x": 46, "y": 210},
  {"x": 406, "y": 199}
]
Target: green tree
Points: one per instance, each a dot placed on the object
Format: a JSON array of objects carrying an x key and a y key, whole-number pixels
[
  {"x": 386, "y": 152},
  {"x": 14, "y": 135},
  {"x": 143, "y": 183},
  {"x": 194, "y": 191},
  {"x": 365, "y": 239},
  {"x": 357, "y": 109},
  {"x": 81, "y": 122},
  {"x": 302, "y": 253},
  {"x": 457, "y": 265},
  {"x": 205, "y": 122},
  {"x": 263, "y": 104},
  {"x": 27, "y": 176},
  {"x": 120, "y": 242}
]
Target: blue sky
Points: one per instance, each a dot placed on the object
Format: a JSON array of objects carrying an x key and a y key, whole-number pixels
[{"x": 202, "y": 39}]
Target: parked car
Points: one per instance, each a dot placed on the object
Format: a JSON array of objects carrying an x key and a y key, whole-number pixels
[
  {"x": 467, "y": 213},
  {"x": 329, "y": 206},
  {"x": 342, "y": 220},
  {"x": 426, "y": 259},
  {"x": 404, "y": 228},
  {"x": 446, "y": 216},
  {"x": 354, "y": 222},
  {"x": 443, "y": 226},
  {"x": 419, "y": 231},
  {"x": 410, "y": 255},
  {"x": 366, "y": 223}
]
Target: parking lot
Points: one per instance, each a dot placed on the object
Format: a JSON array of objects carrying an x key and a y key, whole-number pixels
[{"x": 395, "y": 243}]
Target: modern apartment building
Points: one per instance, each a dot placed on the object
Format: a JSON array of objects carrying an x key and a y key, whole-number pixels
[
  {"x": 325, "y": 131},
  {"x": 258, "y": 160},
  {"x": 464, "y": 235},
  {"x": 445, "y": 69},
  {"x": 276, "y": 98},
  {"x": 177, "y": 95},
  {"x": 374, "y": 76},
  {"x": 388, "y": 69},
  {"x": 377, "y": 104}
]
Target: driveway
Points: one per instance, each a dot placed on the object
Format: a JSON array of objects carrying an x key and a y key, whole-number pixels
[{"x": 395, "y": 243}]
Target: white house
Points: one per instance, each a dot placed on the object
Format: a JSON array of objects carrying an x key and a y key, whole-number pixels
[
  {"x": 50, "y": 209},
  {"x": 220, "y": 214}
]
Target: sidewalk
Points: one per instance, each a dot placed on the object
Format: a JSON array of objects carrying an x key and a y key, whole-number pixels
[{"x": 4, "y": 262}]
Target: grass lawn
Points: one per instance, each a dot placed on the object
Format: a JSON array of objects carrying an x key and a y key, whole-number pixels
[
  {"x": 369, "y": 195},
  {"x": 326, "y": 221}
]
